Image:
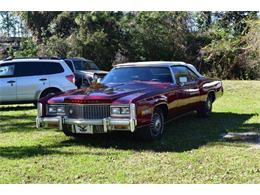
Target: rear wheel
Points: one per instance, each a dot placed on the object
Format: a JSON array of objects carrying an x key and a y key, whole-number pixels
[
  {"x": 206, "y": 107},
  {"x": 155, "y": 130}
]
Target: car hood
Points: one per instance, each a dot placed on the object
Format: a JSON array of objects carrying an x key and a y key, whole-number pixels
[{"x": 110, "y": 93}]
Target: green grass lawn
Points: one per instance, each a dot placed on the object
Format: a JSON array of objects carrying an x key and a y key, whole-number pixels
[{"x": 190, "y": 152}]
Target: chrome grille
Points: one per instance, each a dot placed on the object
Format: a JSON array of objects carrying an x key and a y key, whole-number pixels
[{"x": 87, "y": 111}]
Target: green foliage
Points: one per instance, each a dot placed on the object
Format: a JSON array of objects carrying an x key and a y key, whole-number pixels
[
  {"x": 156, "y": 36},
  {"x": 28, "y": 48},
  {"x": 233, "y": 56},
  {"x": 220, "y": 44}
]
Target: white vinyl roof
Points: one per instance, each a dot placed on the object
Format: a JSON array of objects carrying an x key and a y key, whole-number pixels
[{"x": 160, "y": 64}]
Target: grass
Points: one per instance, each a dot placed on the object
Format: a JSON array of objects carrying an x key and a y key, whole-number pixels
[{"x": 190, "y": 152}]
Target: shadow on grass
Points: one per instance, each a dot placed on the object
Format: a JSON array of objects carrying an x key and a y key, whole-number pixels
[
  {"x": 18, "y": 152},
  {"x": 183, "y": 134},
  {"x": 17, "y": 108}
]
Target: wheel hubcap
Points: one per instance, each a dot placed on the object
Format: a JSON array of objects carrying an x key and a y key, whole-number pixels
[
  {"x": 209, "y": 104},
  {"x": 157, "y": 124}
]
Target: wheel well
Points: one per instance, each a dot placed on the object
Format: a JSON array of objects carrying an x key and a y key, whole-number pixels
[
  {"x": 49, "y": 89},
  {"x": 212, "y": 95},
  {"x": 164, "y": 109}
]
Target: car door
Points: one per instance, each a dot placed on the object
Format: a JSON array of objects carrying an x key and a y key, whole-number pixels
[
  {"x": 31, "y": 79},
  {"x": 7, "y": 83},
  {"x": 187, "y": 85}
]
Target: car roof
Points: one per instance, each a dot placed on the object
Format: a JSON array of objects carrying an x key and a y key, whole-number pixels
[
  {"x": 30, "y": 59},
  {"x": 152, "y": 63},
  {"x": 159, "y": 64},
  {"x": 78, "y": 58}
]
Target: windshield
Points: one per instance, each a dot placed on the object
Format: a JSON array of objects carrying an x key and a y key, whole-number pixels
[
  {"x": 128, "y": 74},
  {"x": 85, "y": 65}
]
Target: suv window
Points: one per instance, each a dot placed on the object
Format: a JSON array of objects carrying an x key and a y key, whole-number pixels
[
  {"x": 85, "y": 65},
  {"x": 6, "y": 71},
  {"x": 37, "y": 68},
  {"x": 182, "y": 71},
  {"x": 69, "y": 63}
]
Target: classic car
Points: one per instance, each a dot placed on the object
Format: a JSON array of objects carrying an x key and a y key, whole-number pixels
[{"x": 136, "y": 97}]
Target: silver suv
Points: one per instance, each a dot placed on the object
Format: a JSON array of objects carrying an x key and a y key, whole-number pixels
[{"x": 28, "y": 80}]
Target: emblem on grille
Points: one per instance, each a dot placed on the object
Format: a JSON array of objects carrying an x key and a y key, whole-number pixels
[{"x": 71, "y": 111}]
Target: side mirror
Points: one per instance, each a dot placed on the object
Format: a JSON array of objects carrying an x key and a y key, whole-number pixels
[{"x": 183, "y": 80}]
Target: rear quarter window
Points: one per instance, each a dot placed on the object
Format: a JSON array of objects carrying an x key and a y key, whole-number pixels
[
  {"x": 6, "y": 70},
  {"x": 70, "y": 64}
]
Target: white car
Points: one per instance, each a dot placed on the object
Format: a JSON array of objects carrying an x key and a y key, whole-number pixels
[{"x": 28, "y": 80}]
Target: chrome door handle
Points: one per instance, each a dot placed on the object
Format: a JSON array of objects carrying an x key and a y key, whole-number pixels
[{"x": 43, "y": 79}]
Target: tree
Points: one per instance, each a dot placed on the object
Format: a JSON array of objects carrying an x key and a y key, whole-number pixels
[
  {"x": 38, "y": 23},
  {"x": 156, "y": 35},
  {"x": 10, "y": 25}
]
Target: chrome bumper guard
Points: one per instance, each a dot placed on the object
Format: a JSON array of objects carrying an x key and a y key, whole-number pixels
[{"x": 107, "y": 123}]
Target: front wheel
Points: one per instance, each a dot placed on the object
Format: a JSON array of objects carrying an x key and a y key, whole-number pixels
[
  {"x": 156, "y": 128},
  {"x": 206, "y": 107}
]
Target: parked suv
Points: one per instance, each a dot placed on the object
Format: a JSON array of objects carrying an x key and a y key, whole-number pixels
[
  {"x": 28, "y": 80},
  {"x": 85, "y": 71}
]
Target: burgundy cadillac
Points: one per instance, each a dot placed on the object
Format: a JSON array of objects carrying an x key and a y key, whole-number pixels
[{"x": 136, "y": 97}]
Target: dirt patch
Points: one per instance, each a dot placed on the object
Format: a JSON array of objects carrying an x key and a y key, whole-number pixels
[{"x": 251, "y": 138}]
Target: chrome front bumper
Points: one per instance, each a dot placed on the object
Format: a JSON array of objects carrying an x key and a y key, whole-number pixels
[{"x": 107, "y": 123}]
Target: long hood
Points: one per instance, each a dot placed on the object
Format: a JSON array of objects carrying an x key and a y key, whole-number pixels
[{"x": 110, "y": 93}]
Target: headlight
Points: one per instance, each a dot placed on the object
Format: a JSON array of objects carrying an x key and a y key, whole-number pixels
[
  {"x": 115, "y": 111},
  {"x": 123, "y": 110},
  {"x": 56, "y": 109}
]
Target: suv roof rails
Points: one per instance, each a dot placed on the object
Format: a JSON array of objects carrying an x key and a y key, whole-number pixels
[{"x": 40, "y": 58}]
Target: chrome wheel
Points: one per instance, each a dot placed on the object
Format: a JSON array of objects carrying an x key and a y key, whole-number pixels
[
  {"x": 206, "y": 107},
  {"x": 209, "y": 105},
  {"x": 157, "y": 124},
  {"x": 155, "y": 130}
]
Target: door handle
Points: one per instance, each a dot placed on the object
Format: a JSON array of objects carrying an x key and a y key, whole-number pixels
[
  {"x": 43, "y": 79},
  {"x": 11, "y": 82}
]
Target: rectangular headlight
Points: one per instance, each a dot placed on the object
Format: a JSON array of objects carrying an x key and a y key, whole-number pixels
[
  {"x": 122, "y": 110},
  {"x": 56, "y": 109},
  {"x": 125, "y": 110},
  {"x": 115, "y": 110}
]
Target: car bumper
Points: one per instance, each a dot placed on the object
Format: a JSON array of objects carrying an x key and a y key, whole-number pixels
[{"x": 108, "y": 124}]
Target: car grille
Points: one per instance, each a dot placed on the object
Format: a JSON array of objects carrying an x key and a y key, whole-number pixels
[{"x": 87, "y": 111}]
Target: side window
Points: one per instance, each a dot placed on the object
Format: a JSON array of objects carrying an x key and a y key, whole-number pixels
[
  {"x": 69, "y": 63},
  {"x": 192, "y": 76},
  {"x": 182, "y": 71},
  {"x": 52, "y": 68},
  {"x": 6, "y": 71},
  {"x": 37, "y": 68}
]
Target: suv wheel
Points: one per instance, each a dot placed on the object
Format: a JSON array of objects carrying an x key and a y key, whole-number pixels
[
  {"x": 155, "y": 130},
  {"x": 49, "y": 92}
]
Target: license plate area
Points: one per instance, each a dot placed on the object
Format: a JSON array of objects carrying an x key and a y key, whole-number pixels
[{"x": 83, "y": 129}]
